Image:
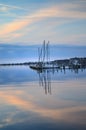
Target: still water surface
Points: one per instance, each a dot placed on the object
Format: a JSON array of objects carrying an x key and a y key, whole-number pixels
[{"x": 51, "y": 100}]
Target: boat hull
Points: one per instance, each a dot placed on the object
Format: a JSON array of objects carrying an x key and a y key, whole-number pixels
[{"x": 44, "y": 67}]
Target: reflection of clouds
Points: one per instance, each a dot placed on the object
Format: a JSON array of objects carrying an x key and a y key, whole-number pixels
[
  {"x": 12, "y": 98},
  {"x": 10, "y": 119},
  {"x": 54, "y": 107}
]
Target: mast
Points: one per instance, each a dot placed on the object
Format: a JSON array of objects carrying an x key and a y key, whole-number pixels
[
  {"x": 47, "y": 52},
  {"x": 39, "y": 54},
  {"x": 44, "y": 46},
  {"x": 44, "y": 53}
]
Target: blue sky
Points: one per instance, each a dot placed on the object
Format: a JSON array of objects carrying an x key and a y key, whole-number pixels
[
  {"x": 25, "y": 53},
  {"x": 25, "y": 22}
]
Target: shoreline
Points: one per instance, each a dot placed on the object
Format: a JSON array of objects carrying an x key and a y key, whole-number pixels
[{"x": 63, "y": 63}]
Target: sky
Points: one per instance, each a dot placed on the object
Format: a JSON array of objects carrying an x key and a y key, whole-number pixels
[
  {"x": 29, "y": 22},
  {"x": 29, "y": 53}
]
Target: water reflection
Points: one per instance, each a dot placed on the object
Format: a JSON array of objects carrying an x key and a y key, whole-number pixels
[
  {"x": 45, "y": 80},
  {"x": 27, "y": 107},
  {"x": 46, "y": 76},
  {"x": 23, "y": 74}
]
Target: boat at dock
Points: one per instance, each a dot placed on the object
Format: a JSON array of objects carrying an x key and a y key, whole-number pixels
[
  {"x": 38, "y": 67},
  {"x": 43, "y": 58}
]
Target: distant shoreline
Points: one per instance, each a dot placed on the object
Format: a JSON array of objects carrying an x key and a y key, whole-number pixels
[{"x": 75, "y": 62}]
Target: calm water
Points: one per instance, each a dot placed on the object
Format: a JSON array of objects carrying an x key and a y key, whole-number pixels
[{"x": 51, "y": 100}]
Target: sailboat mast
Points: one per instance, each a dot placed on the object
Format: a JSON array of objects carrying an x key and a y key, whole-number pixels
[
  {"x": 38, "y": 55},
  {"x": 47, "y": 51},
  {"x": 44, "y": 52}
]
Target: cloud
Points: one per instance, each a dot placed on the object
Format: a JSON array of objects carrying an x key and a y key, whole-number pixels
[
  {"x": 64, "y": 11},
  {"x": 4, "y": 9},
  {"x": 12, "y": 7},
  {"x": 11, "y": 11},
  {"x": 74, "y": 39},
  {"x": 13, "y": 26}
]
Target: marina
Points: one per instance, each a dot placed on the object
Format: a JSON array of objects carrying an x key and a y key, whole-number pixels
[
  {"x": 43, "y": 58},
  {"x": 44, "y": 61},
  {"x": 42, "y": 65}
]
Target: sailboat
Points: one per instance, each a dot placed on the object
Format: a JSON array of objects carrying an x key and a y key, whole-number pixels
[{"x": 43, "y": 57}]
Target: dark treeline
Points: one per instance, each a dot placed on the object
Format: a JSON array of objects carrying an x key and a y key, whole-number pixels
[{"x": 70, "y": 63}]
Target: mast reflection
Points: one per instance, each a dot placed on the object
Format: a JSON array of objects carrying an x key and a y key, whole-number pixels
[
  {"x": 45, "y": 80},
  {"x": 45, "y": 77}
]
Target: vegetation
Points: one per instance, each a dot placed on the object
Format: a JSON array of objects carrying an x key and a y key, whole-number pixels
[{"x": 64, "y": 63}]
